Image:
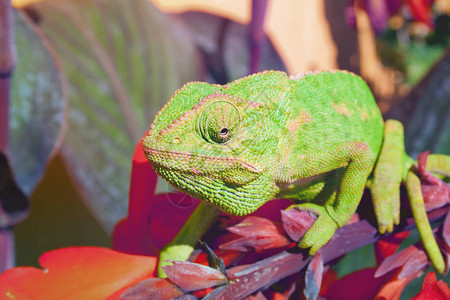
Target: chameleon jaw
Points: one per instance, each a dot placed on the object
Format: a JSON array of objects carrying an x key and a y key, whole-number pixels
[{"x": 187, "y": 162}]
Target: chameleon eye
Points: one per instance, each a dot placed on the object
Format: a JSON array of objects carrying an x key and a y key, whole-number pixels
[{"x": 218, "y": 122}]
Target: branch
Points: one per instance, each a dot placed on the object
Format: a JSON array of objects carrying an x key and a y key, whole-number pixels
[
  {"x": 256, "y": 34},
  {"x": 270, "y": 270}
]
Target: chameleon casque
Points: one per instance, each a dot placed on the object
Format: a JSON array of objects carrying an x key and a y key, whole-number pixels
[{"x": 318, "y": 138}]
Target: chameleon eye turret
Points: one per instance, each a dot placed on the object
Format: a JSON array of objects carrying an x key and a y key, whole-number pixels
[{"x": 218, "y": 122}]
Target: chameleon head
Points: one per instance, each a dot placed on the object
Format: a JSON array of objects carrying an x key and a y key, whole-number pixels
[{"x": 202, "y": 145}]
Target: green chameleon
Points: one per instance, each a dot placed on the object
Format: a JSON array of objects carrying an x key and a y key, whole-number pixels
[{"x": 318, "y": 138}]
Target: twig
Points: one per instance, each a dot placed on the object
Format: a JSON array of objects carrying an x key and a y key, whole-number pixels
[{"x": 256, "y": 34}]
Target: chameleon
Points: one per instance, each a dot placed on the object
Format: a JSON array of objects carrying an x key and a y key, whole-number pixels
[{"x": 317, "y": 138}]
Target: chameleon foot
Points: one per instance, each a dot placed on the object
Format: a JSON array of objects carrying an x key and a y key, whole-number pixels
[{"x": 320, "y": 232}]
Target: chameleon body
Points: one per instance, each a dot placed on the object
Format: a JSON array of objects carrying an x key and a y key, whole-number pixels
[{"x": 313, "y": 137}]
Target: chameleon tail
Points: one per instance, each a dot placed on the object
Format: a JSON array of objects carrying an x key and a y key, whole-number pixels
[
  {"x": 439, "y": 164},
  {"x": 423, "y": 224}
]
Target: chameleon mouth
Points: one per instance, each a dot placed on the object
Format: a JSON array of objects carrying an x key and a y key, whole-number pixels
[{"x": 186, "y": 161}]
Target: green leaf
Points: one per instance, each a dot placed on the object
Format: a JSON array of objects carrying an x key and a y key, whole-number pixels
[
  {"x": 123, "y": 60},
  {"x": 38, "y": 106}
]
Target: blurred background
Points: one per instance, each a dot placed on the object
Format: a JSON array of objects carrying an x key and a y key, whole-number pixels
[{"x": 91, "y": 75}]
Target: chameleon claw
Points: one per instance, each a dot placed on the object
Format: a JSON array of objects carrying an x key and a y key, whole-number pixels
[
  {"x": 390, "y": 228},
  {"x": 397, "y": 219}
]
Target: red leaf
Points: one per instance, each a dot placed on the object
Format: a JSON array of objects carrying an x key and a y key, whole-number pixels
[
  {"x": 257, "y": 233},
  {"x": 389, "y": 245},
  {"x": 435, "y": 192},
  {"x": 77, "y": 273},
  {"x": 192, "y": 277},
  {"x": 329, "y": 277},
  {"x": 296, "y": 222},
  {"x": 152, "y": 288},
  {"x": 356, "y": 286},
  {"x": 147, "y": 228},
  {"x": 432, "y": 289},
  {"x": 132, "y": 234},
  {"x": 393, "y": 288}
]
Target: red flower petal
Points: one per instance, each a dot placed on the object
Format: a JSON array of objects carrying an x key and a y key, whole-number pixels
[
  {"x": 192, "y": 277},
  {"x": 435, "y": 192},
  {"x": 432, "y": 289},
  {"x": 257, "y": 233},
  {"x": 329, "y": 277},
  {"x": 446, "y": 229},
  {"x": 152, "y": 288},
  {"x": 393, "y": 288},
  {"x": 296, "y": 222},
  {"x": 77, "y": 273},
  {"x": 131, "y": 235},
  {"x": 389, "y": 245}
]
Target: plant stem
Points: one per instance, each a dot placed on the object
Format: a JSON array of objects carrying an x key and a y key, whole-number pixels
[
  {"x": 182, "y": 246},
  {"x": 7, "y": 250},
  {"x": 256, "y": 34}
]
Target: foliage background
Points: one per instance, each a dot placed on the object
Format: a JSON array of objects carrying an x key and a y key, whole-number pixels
[{"x": 60, "y": 218}]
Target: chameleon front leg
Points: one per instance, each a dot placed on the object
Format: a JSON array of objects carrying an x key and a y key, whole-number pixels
[
  {"x": 203, "y": 217},
  {"x": 357, "y": 160},
  {"x": 385, "y": 189},
  {"x": 387, "y": 177}
]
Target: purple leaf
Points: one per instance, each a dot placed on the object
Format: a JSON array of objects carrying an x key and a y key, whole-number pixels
[
  {"x": 152, "y": 288},
  {"x": 193, "y": 277},
  {"x": 313, "y": 277},
  {"x": 257, "y": 233},
  {"x": 296, "y": 222},
  {"x": 415, "y": 265}
]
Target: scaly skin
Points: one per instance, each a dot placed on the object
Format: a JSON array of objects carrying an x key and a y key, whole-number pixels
[{"x": 314, "y": 138}]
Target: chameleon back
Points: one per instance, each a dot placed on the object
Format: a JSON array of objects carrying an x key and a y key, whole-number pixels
[
  {"x": 333, "y": 108},
  {"x": 274, "y": 120}
]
